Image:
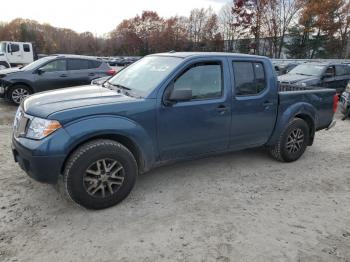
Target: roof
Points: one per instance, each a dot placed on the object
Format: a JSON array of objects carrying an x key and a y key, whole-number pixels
[
  {"x": 73, "y": 56},
  {"x": 204, "y": 54}
]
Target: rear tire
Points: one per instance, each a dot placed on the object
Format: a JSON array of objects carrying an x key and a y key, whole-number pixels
[
  {"x": 18, "y": 93},
  {"x": 100, "y": 174},
  {"x": 293, "y": 141}
]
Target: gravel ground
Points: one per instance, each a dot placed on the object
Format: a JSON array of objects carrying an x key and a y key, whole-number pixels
[{"x": 242, "y": 206}]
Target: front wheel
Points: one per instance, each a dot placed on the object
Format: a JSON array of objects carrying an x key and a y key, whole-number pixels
[
  {"x": 18, "y": 93},
  {"x": 100, "y": 174},
  {"x": 293, "y": 141}
]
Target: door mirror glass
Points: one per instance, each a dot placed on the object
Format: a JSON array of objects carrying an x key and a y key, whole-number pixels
[{"x": 180, "y": 95}]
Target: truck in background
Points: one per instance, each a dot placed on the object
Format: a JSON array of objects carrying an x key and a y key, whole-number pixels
[{"x": 14, "y": 54}]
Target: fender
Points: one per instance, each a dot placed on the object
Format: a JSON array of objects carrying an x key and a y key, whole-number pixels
[
  {"x": 108, "y": 125},
  {"x": 288, "y": 114}
]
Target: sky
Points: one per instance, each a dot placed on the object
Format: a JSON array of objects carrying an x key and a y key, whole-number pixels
[{"x": 97, "y": 16}]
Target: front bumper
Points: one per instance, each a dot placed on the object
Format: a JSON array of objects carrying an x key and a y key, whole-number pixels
[{"x": 37, "y": 159}]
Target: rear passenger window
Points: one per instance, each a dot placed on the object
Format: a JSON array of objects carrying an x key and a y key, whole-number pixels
[
  {"x": 249, "y": 78},
  {"x": 26, "y": 48},
  {"x": 94, "y": 64},
  {"x": 341, "y": 70},
  {"x": 205, "y": 80},
  {"x": 78, "y": 64}
]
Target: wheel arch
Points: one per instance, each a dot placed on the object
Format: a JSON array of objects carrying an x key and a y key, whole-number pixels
[
  {"x": 311, "y": 124},
  {"x": 124, "y": 140}
]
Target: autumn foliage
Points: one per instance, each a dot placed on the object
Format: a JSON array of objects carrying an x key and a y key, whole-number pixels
[{"x": 298, "y": 28}]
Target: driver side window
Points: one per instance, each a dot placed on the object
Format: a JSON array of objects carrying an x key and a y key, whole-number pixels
[
  {"x": 204, "y": 79},
  {"x": 55, "y": 66}
]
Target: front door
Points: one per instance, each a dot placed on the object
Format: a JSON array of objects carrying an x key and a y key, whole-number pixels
[
  {"x": 254, "y": 104},
  {"x": 201, "y": 125},
  {"x": 52, "y": 75}
]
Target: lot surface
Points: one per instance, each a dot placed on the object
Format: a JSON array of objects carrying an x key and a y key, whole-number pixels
[{"x": 242, "y": 206}]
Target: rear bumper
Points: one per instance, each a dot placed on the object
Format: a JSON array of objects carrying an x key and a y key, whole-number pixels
[
  {"x": 331, "y": 125},
  {"x": 45, "y": 169}
]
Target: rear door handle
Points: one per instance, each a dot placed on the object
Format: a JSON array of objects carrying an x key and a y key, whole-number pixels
[
  {"x": 267, "y": 103},
  {"x": 63, "y": 75}
]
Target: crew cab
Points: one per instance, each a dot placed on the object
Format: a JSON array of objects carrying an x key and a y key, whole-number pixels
[{"x": 164, "y": 108}]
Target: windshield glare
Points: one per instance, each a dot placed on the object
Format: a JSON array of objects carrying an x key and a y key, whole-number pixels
[
  {"x": 35, "y": 64},
  {"x": 307, "y": 69},
  {"x": 143, "y": 76}
]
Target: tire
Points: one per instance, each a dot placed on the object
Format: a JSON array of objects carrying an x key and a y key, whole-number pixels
[
  {"x": 293, "y": 141},
  {"x": 18, "y": 93},
  {"x": 86, "y": 174},
  {"x": 4, "y": 65}
]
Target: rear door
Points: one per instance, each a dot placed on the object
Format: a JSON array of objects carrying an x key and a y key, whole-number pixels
[
  {"x": 254, "y": 103},
  {"x": 201, "y": 125},
  {"x": 80, "y": 74}
]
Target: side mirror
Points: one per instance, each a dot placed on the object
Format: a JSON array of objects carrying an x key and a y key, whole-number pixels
[
  {"x": 180, "y": 95},
  {"x": 328, "y": 75},
  {"x": 41, "y": 71}
]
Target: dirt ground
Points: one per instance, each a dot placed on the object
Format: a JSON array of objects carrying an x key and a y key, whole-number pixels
[{"x": 242, "y": 206}]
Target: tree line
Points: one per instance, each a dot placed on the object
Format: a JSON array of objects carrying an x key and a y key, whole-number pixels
[{"x": 275, "y": 28}]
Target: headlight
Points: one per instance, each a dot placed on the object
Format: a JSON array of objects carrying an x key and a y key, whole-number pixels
[{"x": 40, "y": 128}]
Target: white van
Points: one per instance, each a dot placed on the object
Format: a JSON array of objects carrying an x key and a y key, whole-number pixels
[{"x": 15, "y": 53}]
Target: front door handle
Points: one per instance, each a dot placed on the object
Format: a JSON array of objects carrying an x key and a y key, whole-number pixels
[
  {"x": 222, "y": 109},
  {"x": 63, "y": 75}
]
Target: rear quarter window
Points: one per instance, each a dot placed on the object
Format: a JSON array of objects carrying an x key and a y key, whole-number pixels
[{"x": 94, "y": 64}]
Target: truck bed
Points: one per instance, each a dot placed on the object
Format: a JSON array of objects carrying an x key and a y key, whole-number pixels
[{"x": 317, "y": 100}]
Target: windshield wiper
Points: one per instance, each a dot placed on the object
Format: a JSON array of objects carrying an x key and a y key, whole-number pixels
[{"x": 119, "y": 86}]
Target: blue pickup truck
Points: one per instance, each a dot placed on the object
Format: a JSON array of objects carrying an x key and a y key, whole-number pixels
[{"x": 166, "y": 107}]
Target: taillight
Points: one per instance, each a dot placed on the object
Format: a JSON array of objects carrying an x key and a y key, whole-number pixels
[
  {"x": 111, "y": 72},
  {"x": 335, "y": 103}
]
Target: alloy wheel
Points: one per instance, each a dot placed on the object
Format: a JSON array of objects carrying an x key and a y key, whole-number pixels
[
  {"x": 103, "y": 178},
  {"x": 295, "y": 140},
  {"x": 19, "y": 94}
]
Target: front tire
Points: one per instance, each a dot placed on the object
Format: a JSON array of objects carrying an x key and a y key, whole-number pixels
[
  {"x": 18, "y": 93},
  {"x": 293, "y": 141},
  {"x": 100, "y": 174}
]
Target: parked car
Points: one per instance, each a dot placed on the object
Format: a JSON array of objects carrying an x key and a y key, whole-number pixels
[
  {"x": 164, "y": 108},
  {"x": 335, "y": 76},
  {"x": 284, "y": 68},
  {"x": 345, "y": 101},
  {"x": 13, "y": 54},
  {"x": 49, "y": 73}
]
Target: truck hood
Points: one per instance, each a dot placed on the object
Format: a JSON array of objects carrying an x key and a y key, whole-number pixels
[
  {"x": 46, "y": 103},
  {"x": 294, "y": 78}
]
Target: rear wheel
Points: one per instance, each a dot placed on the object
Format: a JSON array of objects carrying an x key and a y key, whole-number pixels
[
  {"x": 100, "y": 174},
  {"x": 18, "y": 93},
  {"x": 292, "y": 142}
]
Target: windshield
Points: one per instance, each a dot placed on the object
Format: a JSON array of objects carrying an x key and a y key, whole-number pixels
[
  {"x": 2, "y": 47},
  {"x": 35, "y": 64},
  {"x": 143, "y": 76},
  {"x": 307, "y": 69}
]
